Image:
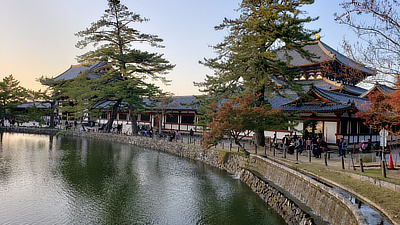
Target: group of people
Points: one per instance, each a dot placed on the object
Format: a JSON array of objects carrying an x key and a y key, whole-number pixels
[
  {"x": 145, "y": 130},
  {"x": 315, "y": 144},
  {"x": 174, "y": 135},
  {"x": 290, "y": 144}
]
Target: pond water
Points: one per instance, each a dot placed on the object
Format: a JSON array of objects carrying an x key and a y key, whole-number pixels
[{"x": 59, "y": 180}]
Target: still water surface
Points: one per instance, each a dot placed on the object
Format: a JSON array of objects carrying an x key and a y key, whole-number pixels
[{"x": 59, "y": 180}]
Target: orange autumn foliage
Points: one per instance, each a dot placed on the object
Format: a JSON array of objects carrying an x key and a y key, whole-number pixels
[{"x": 236, "y": 118}]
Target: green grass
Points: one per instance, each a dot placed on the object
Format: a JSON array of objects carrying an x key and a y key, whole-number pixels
[
  {"x": 387, "y": 199},
  {"x": 377, "y": 173}
]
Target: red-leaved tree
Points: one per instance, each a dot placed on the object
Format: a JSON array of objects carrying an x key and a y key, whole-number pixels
[
  {"x": 237, "y": 118},
  {"x": 383, "y": 110}
]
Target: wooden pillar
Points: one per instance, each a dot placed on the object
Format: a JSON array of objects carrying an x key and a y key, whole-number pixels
[
  {"x": 361, "y": 165},
  {"x": 342, "y": 160},
  {"x": 383, "y": 167}
]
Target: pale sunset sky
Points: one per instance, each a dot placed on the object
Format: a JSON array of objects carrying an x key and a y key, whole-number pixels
[{"x": 37, "y": 36}]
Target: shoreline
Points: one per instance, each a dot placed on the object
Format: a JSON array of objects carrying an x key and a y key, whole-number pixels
[{"x": 308, "y": 207}]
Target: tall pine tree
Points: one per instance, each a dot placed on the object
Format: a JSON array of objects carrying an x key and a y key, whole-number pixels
[
  {"x": 11, "y": 95},
  {"x": 128, "y": 69},
  {"x": 257, "y": 49}
]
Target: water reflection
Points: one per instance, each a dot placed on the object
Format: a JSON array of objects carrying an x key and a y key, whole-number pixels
[{"x": 53, "y": 180}]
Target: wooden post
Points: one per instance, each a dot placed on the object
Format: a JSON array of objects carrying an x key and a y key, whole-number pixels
[
  {"x": 297, "y": 155},
  {"x": 383, "y": 167},
  {"x": 326, "y": 159},
  {"x": 274, "y": 150},
  {"x": 361, "y": 165},
  {"x": 284, "y": 153},
  {"x": 194, "y": 141},
  {"x": 222, "y": 145},
  {"x": 265, "y": 149},
  {"x": 230, "y": 146},
  {"x": 309, "y": 155},
  {"x": 255, "y": 148},
  {"x": 342, "y": 159}
]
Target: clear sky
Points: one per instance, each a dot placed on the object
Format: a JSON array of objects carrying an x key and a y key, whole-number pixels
[{"x": 37, "y": 36}]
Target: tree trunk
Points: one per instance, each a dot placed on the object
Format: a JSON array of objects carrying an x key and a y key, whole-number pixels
[
  {"x": 259, "y": 138},
  {"x": 133, "y": 118},
  {"x": 259, "y": 134},
  {"x": 52, "y": 106},
  {"x": 237, "y": 142},
  {"x": 113, "y": 115}
]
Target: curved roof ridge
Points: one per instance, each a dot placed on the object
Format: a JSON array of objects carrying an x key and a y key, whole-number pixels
[
  {"x": 325, "y": 50},
  {"x": 332, "y": 82},
  {"x": 340, "y": 94},
  {"x": 321, "y": 92}
]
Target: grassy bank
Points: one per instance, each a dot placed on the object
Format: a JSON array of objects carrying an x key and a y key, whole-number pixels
[{"x": 385, "y": 198}]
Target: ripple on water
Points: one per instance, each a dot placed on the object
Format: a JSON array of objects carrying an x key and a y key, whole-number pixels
[{"x": 82, "y": 181}]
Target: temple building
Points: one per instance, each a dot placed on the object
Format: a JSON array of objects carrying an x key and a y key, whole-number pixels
[
  {"x": 328, "y": 112},
  {"x": 332, "y": 100}
]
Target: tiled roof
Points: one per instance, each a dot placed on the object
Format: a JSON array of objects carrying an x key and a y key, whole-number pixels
[
  {"x": 321, "y": 83},
  {"x": 277, "y": 101},
  {"x": 385, "y": 89},
  {"x": 315, "y": 108},
  {"x": 339, "y": 101},
  {"x": 322, "y": 53},
  {"x": 357, "y": 90},
  {"x": 75, "y": 70},
  {"x": 314, "y": 48},
  {"x": 345, "y": 60},
  {"x": 179, "y": 103},
  {"x": 380, "y": 87},
  {"x": 39, "y": 105}
]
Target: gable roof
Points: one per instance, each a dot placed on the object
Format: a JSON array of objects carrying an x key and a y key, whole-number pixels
[
  {"x": 75, "y": 70},
  {"x": 378, "y": 87},
  {"x": 329, "y": 102},
  {"x": 323, "y": 52}
]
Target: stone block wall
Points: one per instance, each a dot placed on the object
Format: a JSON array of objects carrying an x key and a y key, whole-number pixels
[{"x": 326, "y": 203}]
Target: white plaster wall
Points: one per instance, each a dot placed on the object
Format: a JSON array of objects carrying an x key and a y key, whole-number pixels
[{"x": 330, "y": 130}]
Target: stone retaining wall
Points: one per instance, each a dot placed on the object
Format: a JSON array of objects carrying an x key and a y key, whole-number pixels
[
  {"x": 256, "y": 172},
  {"x": 330, "y": 205}
]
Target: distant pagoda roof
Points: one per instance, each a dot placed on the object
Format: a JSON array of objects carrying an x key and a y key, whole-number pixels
[
  {"x": 380, "y": 88},
  {"x": 75, "y": 70}
]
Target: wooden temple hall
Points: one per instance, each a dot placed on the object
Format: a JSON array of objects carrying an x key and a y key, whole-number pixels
[{"x": 329, "y": 112}]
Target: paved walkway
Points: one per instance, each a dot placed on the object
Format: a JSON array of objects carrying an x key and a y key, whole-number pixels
[{"x": 351, "y": 162}]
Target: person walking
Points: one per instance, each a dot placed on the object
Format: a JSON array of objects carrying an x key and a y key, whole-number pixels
[
  {"x": 342, "y": 147},
  {"x": 191, "y": 132},
  {"x": 286, "y": 143}
]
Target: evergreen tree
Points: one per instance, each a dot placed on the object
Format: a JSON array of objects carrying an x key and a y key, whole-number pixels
[
  {"x": 257, "y": 49},
  {"x": 124, "y": 77},
  {"x": 11, "y": 95}
]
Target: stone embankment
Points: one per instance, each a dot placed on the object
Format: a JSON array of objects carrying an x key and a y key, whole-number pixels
[{"x": 296, "y": 197}]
